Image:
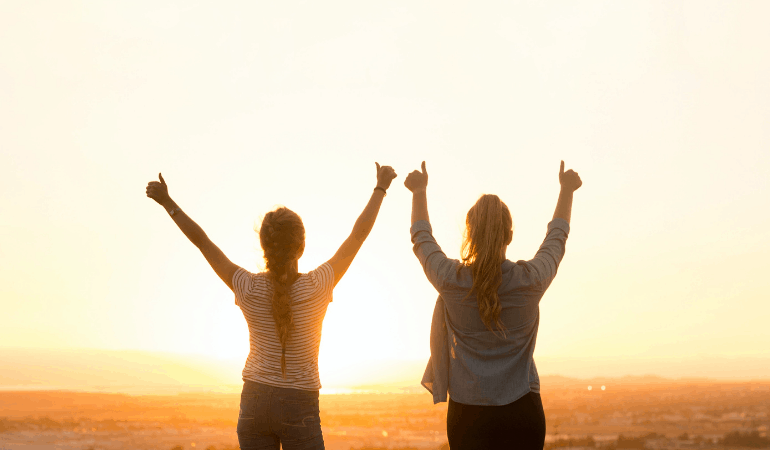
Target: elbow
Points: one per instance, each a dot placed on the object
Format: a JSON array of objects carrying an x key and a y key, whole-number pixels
[
  {"x": 361, "y": 232},
  {"x": 200, "y": 240},
  {"x": 359, "y": 236}
]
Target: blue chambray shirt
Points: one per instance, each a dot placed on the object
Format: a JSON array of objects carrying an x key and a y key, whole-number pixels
[{"x": 470, "y": 363}]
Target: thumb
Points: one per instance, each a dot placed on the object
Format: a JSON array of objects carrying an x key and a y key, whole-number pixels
[
  {"x": 561, "y": 169},
  {"x": 424, "y": 172},
  {"x": 162, "y": 181},
  {"x": 378, "y": 168}
]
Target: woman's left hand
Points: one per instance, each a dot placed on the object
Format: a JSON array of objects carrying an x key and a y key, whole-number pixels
[
  {"x": 417, "y": 181},
  {"x": 385, "y": 175},
  {"x": 158, "y": 191}
]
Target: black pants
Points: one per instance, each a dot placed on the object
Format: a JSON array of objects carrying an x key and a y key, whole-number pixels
[{"x": 517, "y": 425}]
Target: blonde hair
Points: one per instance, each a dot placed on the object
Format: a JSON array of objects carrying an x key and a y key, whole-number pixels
[
  {"x": 282, "y": 237},
  {"x": 488, "y": 229}
]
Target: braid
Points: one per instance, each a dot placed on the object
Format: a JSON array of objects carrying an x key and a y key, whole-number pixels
[
  {"x": 282, "y": 237},
  {"x": 282, "y": 313}
]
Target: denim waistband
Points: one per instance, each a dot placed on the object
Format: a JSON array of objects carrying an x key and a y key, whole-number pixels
[{"x": 261, "y": 388}]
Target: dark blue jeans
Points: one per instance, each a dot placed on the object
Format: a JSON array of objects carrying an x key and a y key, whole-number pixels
[{"x": 272, "y": 417}]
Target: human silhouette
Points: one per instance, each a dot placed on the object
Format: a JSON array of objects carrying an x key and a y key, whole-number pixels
[
  {"x": 284, "y": 311},
  {"x": 486, "y": 319}
]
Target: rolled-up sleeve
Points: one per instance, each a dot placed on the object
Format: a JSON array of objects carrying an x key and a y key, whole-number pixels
[
  {"x": 435, "y": 264},
  {"x": 551, "y": 252}
]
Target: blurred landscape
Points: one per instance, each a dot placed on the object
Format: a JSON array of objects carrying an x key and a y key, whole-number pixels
[{"x": 629, "y": 412}]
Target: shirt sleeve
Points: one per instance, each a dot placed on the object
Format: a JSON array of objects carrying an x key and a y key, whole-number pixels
[
  {"x": 241, "y": 285},
  {"x": 323, "y": 279},
  {"x": 551, "y": 251},
  {"x": 437, "y": 267}
]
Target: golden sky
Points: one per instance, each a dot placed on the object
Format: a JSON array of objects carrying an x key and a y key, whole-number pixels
[{"x": 662, "y": 107}]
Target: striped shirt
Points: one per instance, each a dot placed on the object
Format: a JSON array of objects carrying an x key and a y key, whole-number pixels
[{"x": 310, "y": 295}]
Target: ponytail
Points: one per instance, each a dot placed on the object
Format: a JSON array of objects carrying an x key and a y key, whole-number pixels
[{"x": 489, "y": 228}]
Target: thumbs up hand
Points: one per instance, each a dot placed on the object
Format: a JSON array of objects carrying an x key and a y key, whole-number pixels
[
  {"x": 569, "y": 180},
  {"x": 385, "y": 175},
  {"x": 417, "y": 180},
  {"x": 158, "y": 191}
]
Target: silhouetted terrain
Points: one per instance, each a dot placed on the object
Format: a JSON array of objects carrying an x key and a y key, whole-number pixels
[{"x": 629, "y": 413}]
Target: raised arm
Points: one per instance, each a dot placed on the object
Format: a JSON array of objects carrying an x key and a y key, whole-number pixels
[
  {"x": 225, "y": 269},
  {"x": 341, "y": 260},
  {"x": 570, "y": 182},
  {"x": 549, "y": 255},
  {"x": 437, "y": 267},
  {"x": 417, "y": 183}
]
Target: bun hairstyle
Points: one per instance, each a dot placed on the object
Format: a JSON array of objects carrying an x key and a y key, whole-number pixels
[
  {"x": 488, "y": 229},
  {"x": 282, "y": 237}
]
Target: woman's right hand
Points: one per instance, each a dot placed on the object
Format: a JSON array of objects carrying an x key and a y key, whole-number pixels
[
  {"x": 158, "y": 191},
  {"x": 417, "y": 181}
]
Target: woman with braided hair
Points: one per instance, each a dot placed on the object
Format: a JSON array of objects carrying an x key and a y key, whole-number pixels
[
  {"x": 486, "y": 319},
  {"x": 284, "y": 310}
]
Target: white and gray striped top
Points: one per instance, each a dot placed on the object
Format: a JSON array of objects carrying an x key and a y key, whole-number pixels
[{"x": 310, "y": 295}]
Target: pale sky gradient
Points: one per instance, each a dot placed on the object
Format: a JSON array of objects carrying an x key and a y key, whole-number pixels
[{"x": 662, "y": 107}]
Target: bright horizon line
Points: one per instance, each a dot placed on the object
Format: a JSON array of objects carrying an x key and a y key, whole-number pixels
[
  {"x": 143, "y": 372},
  {"x": 577, "y": 383}
]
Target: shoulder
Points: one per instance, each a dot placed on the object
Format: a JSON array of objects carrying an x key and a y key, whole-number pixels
[
  {"x": 248, "y": 282},
  {"x": 241, "y": 280},
  {"x": 321, "y": 279},
  {"x": 322, "y": 275},
  {"x": 453, "y": 274},
  {"x": 519, "y": 274}
]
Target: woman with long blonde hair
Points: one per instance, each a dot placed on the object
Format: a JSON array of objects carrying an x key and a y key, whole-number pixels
[
  {"x": 284, "y": 310},
  {"x": 486, "y": 320}
]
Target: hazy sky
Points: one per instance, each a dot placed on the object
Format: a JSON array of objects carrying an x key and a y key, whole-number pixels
[{"x": 662, "y": 107}]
